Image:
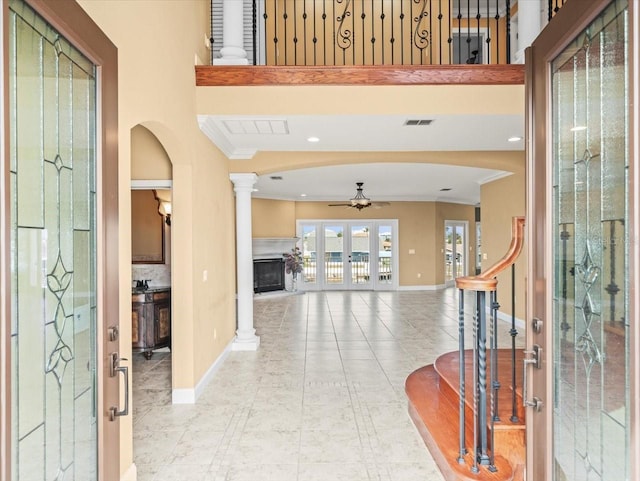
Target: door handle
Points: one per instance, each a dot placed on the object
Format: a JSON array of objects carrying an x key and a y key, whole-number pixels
[
  {"x": 535, "y": 360},
  {"x": 114, "y": 369}
]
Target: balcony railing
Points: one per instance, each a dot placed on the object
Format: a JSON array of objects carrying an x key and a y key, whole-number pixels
[{"x": 376, "y": 32}]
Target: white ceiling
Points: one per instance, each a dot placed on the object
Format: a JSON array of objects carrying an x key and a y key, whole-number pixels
[
  {"x": 382, "y": 182},
  {"x": 242, "y": 136}
]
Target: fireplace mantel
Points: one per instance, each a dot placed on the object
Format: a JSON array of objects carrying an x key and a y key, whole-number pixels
[{"x": 272, "y": 247}]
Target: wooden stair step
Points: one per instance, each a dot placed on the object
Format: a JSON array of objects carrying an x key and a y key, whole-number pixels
[
  {"x": 447, "y": 368},
  {"x": 436, "y": 418}
]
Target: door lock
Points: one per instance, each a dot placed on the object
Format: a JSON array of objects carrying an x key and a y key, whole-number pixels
[
  {"x": 113, "y": 333},
  {"x": 536, "y": 325}
]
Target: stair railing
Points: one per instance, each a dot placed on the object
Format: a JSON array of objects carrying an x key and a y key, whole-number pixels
[{"x": 486, "y": 282}]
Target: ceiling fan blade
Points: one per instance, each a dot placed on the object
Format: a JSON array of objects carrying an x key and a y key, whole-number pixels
[
  {"x": 380, "y": 205},
  {"x": 339, "y": 205}
]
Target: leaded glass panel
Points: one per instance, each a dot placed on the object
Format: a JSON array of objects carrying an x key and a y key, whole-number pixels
[
  {"x": 53, "y": 245},
  {"x": 590, "y": 287}
]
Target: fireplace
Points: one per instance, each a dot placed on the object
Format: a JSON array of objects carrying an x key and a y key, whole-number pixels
[{"x": 268, "y": 275}]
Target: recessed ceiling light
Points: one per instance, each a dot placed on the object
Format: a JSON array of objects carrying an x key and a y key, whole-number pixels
[
  {"x": 445, "y": 189},
  {"x": 303, "y": 195},
  {"x": 515, "y": 138},
  {"x": 578, "y": 128},
  {"x": 313, "y": 139}
]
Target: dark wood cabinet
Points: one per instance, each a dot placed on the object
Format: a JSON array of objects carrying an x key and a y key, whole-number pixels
[{"x": 150, "y": 320}]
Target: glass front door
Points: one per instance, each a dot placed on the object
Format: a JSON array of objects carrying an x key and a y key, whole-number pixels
[
  {"x": 586, "y": 341},
  {"x": 55, "y": 302}
]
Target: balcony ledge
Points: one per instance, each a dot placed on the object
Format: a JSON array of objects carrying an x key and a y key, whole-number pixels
[{"x": 255, "y": 75}]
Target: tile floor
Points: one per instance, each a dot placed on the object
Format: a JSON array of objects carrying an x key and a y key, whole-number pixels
[{"x": 322, "y": 399}]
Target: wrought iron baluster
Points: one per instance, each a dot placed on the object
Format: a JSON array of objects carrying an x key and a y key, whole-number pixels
[
  {"x": 324, "y": 31},
  {"x": 373, "y": 34},
  {"x": 460, "y": 31},
  {"x": 334, "y": 36},
  {"x": 497, "y": 34},
  {"x": 513, "y": 332},
  {"x": 304, "y": 30},
  {"x": 402, "y": 16},
  {"x": 295, "y": 33},
  {"x": 430, "y": 32},
  {"x": 421, "y": 34},
  {"x": 343, "y": 37},
  {"x": 468, "y": 31},
  {"x": 477, "y": 57},
  {"x": 392, "y": 40},
  {"x": 440, "y": 30},
  {"x": 382, "y": 34},
  {"x": 483, "y": 458},
  {"x": 286, "y": 39},
  {"x": 476, "y": 401},
  {"x": 495, "y": 384},
  {"x": 461, "y": 366},
  {"x": 315, "y": 35}
]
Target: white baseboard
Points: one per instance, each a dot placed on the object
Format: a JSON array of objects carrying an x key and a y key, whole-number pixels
[
  {"x": 190, "y": 396},
  {"x": 502, "y": 316},
  {"x": 436, "y": 287},
  {"x": 131, "y": 474}
]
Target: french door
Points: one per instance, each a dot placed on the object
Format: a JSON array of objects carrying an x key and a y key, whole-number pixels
[
  {"x": 583, "y": 303},
  {"x": 348, "y": 255},
  {"x": 455, "y": 250},
  {"x": 60, "y": 375}
]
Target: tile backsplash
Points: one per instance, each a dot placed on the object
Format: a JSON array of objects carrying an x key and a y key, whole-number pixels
[{"x": 156, "y": 274}]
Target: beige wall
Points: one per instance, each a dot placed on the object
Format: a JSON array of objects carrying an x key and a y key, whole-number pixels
[
  {"x": 273, "y": 218},
  {"x": 420, "y": 226},
  {"x": 149, "y": 160},
  {"x": 156, "y": 90},
  {"x": 501, "y": 200}
]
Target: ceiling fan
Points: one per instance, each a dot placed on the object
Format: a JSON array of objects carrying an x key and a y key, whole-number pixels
[{"x": 360, "y": 201}]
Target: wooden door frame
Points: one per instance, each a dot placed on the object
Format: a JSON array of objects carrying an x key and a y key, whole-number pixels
[
  {"x": 68, "y": 18},
  {"x": 572, "y": 18}
]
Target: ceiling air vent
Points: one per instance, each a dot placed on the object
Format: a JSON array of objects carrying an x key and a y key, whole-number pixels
[
  {"x": 276, "y": 177},
  {"x": 418, "y": 122}
]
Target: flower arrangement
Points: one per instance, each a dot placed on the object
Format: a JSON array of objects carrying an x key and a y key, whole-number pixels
[{"x": 293, "y": 261}]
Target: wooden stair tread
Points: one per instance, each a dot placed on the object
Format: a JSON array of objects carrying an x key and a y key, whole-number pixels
[
  {"x": 446, "y": 367},
  {"x": 437, "y": 421}
]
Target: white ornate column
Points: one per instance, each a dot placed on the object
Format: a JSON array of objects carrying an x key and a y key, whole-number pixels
[
  {"x": 232, "y": 51},
  {"x": 530, "y": 14},
  {"x": 246, "y": 339}
]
